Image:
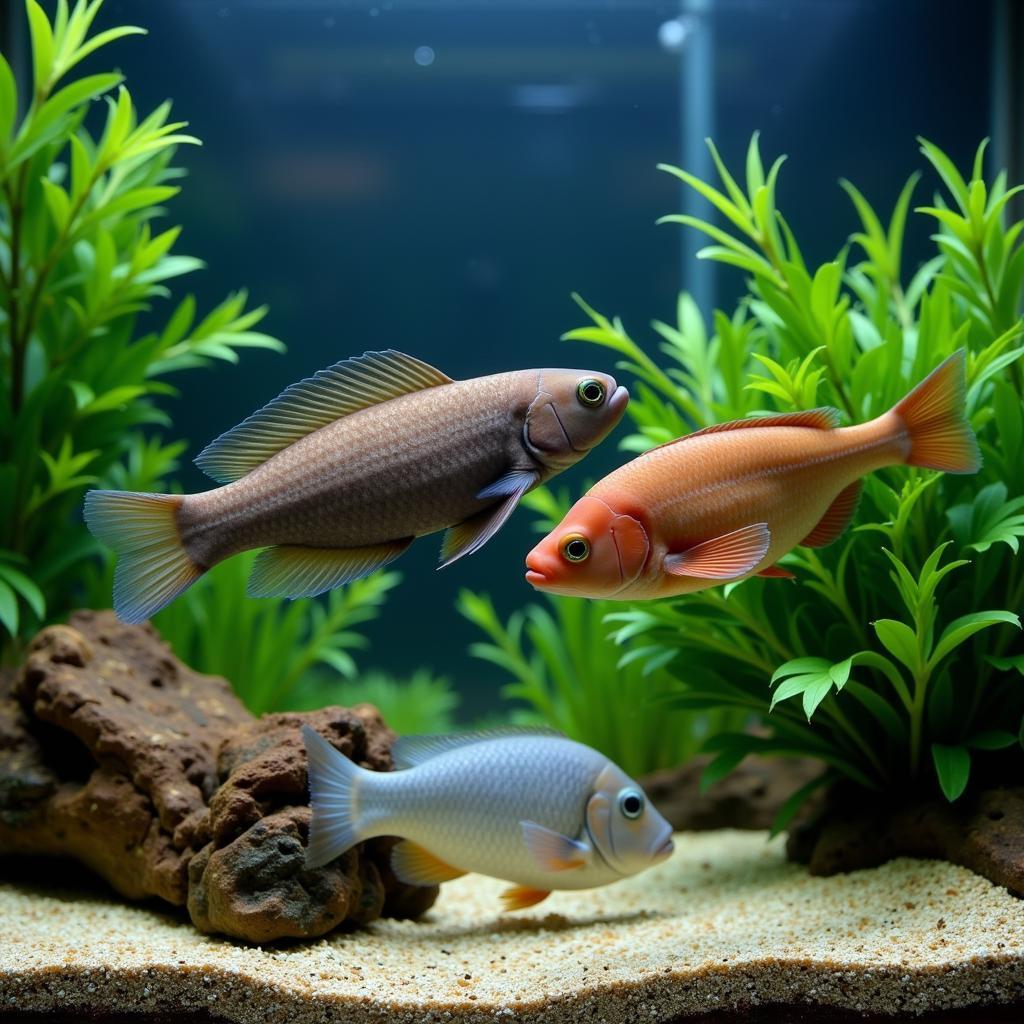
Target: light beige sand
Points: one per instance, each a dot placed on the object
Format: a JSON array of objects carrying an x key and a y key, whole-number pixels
[{"x": 725, "y": 922}]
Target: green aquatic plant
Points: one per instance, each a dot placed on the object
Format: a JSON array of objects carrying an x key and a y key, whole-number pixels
[
  {"x": 567, "y": 672},
  {"x": 83, "y": 182},
  {"x": 894, "y": 658},
  {"x": 421, "y": 703},
  {"x": 278, "y": 655}
]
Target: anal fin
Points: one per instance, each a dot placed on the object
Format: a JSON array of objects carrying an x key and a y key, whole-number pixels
[
  {"x": 472, "y": 534},
  {"x": 519, "y": 897},
  {"x": 722, "y": 558},
  {"x": 294, "y": 571},
  {"x": 415, "y": 865},
  {"x": 776, "y": 572},
  {"x": 838, "y": 517}
]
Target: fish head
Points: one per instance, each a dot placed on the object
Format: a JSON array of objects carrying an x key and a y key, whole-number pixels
[
  {"x": 593, "y": 552},
  {"x": 624, "y": 826},
  {"x": 571, "y": 412}
]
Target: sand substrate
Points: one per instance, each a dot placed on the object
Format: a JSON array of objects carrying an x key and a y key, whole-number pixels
[{"x": 726, "y": 922}]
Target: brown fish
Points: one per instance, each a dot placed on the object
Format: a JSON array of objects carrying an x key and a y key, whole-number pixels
[{"x": 341, "y": 472}]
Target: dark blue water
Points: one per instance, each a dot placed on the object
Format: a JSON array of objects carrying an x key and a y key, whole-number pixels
[{"x": 439, "y": 176}]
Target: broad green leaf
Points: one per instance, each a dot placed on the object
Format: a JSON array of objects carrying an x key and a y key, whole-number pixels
[
  {"x": 800, "y": 666},
  {"x": 953, "y": 768},
  {"x": 815, "y": 694},
  {"x": 991, "y": 739},
  {"x": 900, "y": 641}
]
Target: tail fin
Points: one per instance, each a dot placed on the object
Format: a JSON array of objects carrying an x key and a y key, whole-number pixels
[
  {"x": 936, "y": 421},
  {"x": 153, "y": 567},
  {"x": 333, "y": 779}
]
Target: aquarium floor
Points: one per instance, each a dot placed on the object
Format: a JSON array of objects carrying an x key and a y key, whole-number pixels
[{"x": 726, "y": 922}]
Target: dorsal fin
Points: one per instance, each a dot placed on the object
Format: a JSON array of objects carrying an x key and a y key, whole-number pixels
[
  {"x": 409, "y": 751},
  {"x": 825, "y": 418},
  {"x": 341, "y": 389}
]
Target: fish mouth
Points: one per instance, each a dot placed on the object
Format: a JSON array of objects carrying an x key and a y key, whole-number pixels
[
  {"x": 619, "y": 400},
  {"x": 534, "y": 577},
  {"x": 665, "y": 850}
]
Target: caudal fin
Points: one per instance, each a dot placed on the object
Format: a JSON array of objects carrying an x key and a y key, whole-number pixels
[
  {"x": 153, "y": 567},
  {"x": 333, "y": 780},
  {"x": 935, "y": 417}
]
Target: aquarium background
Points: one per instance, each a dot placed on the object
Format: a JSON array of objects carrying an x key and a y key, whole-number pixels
[{"x": 438, "y": 177}]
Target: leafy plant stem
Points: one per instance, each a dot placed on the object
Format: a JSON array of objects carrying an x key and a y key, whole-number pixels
[
  {"x": 917, "y": 720},
  {"x": 16, "y": 199},
  {"x": 755, "y": 625},
  {"x": 839, "y": 717}
]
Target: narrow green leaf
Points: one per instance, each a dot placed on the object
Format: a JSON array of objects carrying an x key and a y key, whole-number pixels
[
  {"x": 42, "y": 45},
  {"x": 8, "y": 609},
  {"x": 29, "y": 592},
  {"x": 102, "y": 39},
  {"x": 963, "y": 628},
  {"x": 947, "y": 171},
  {"x": 791, "y": 805},
  {"x": 721, "y": 766},
  {"x": 8, "y": 101}
]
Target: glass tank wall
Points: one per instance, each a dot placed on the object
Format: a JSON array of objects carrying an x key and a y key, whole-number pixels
[{"x": 438, "y": 177}]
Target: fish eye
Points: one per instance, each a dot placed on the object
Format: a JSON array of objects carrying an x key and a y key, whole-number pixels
[
  {"x": 590, "y": 392},
  {"x": 631, "y": 803},
  {"x": 575, "y": 548}
]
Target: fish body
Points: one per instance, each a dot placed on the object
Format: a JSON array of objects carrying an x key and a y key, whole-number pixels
[
  {"x": 530, "y": 807},
  {"x": 727, "y": 502},
  {"x": 340, "y": 473}
]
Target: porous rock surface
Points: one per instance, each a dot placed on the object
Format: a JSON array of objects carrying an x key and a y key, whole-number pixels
[
  {"x": 983, "y": 831},
  {"x": 157, "y": 778}
]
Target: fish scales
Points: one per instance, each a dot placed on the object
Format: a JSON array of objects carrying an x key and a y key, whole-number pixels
[
  {"x": 781, "y": 475},
  {"x": 529, "y": 806},
  {"x": 336, "y": 476},
  {"x": 405, "y": 468},
  {"x": 466, "y": 806},
  {"x": 729, "y": 501}
]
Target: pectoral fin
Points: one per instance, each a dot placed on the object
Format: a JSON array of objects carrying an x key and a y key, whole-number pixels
[
  {"x": 293, "y": 571},
  {"x": 519, "y": 897},
  {"x": 722, "y": 558},
  {"x": 414, "y": 865},
  {"x": 838, "y": 517},
  {"x": 553, "y": 851},
  {"x": 475, "y": 532}
]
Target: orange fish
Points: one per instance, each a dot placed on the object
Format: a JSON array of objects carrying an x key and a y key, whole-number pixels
[{"x": 729, "y": 501}]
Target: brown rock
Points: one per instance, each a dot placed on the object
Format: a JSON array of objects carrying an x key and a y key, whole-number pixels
[
  {"x": 115, "y": 753},
  {"x": 250, "y": 880},
  {"x": 983, "y": 832},
  {"x": 748, "y": 797}
]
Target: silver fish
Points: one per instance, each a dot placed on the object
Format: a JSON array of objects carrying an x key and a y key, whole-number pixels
[{"x": 524, "y": 805}]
